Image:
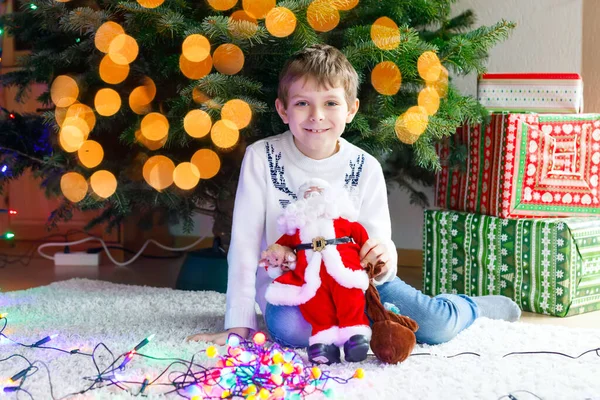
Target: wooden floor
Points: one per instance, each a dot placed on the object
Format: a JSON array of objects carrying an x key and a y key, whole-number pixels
[{"x": 163, "y": 273}]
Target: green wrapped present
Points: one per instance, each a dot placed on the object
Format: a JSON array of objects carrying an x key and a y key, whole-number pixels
[{"x": 548, "y": 266}]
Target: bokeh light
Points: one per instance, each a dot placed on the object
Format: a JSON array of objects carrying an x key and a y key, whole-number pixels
[
  {"x": 60, "y": 114},
  {"x": 73, "y": 133},
  {"x": 429, "y": 99},
  {"x": 441, "y": 84},
  {"x": 79, "y": 110},
  {"x": 107, "y": 102},
  {"x": 90, "y": 154},
  {"x": 280, "y": 22},
  {"x": 411, "y": 125},
  {"x": 141, "y": 97},
  {"x": 222, "y": 5},
  {"x": 105, "y": 35},
  {"x": 155, "y": 126},
  {"x": 224, "y": 134},
  {"x": 228, "y": 59},
  {"x": 429, "y": 66},
  {"x": 322, "y": 16},
  {"x": 158, "y": 172},
  {"x": 150, "y": 144},
  {"x": 195, "y": 70},
  {"x": 385, "y": 34},
  {"x": 64, "y": 91},
  {"x": 258, "y": 8},
  {"x": 241, "y": 25},
  {"x": 123, "y": 49},
  {"x": 111, "y": 72},
  {"x": 150, "y": 3},
  {"x": 195, "y": 48},
  {"x": 73, "y": 186},
  {"x": 197, "y": 123},
  {"x": 344, "y": 5},
  {"x": 186, "y": 176},
  {"x": 208, "y": 163},
  {"x": 103, "y": 183},
  {"x": 237, "y": 111},
  {"x": 386, "y": 78},
  {"x": 199, "y": 96}
]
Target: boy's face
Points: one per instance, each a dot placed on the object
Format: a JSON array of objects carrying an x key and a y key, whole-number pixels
[{"x": 317, "y": 116}]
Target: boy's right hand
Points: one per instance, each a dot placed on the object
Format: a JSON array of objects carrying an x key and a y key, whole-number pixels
[{"x": 219, "y": 338}]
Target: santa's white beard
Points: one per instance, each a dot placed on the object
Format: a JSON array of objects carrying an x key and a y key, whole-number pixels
[{"x": 325, "y": 206}]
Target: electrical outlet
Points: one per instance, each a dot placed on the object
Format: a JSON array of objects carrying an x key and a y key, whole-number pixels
[{"x": 77, "y": 258}]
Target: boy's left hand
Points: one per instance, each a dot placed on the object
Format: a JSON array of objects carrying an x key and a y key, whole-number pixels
[{"x": 372, "y": 252}]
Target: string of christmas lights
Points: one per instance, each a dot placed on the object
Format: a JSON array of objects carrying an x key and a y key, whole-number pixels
[{"x": 252, "y": 369}]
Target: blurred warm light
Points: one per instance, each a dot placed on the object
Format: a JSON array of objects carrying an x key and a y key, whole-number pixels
[
  {"x": 150, "y": 144},
  {"x": 258, "y": 8},
  {"x": 237, "y": 111},
  {"x": 123, "y": 49},
  {"x": 197, "y": 123},
  {"x": 429, "y": 99},
  {"x": 344, "y": 5},
  {"x": 90, "y": 154},
  {"x": 186, "y": 176},
  {"x": 224, "y": 134},
  {"x": 103, "y": 183},
  {"x": 155, "y": 126},
  {"x": 141, "y": 97},
  {"x": 158, "y": 172},
  {"x": 228, "y": 59},
  {"x": 385, "y": 34},
  {"x": 73, "y": 186},
  {"x": 429, "y": 66},
  {"x": 79, "y": 110},
  {"x": 150, "y": 3},
  {"x": 280, "y": 22},
  {"x": 106, "y": 33},
  {"x": 411, "y": 125},
  {"x": 386, "y": 78},
  {"x": 208, "y": 163},
  {"x": 195, "y": 70},
  {"x": 241, "y": 25},
  {"x": 322, "y": 15},
  {"x": 441, "y": 84},
  {"x": 199, "y": 96},
  {"x": 222, "y": 5},
  {"x": 195, "y": 48},
  {"x": 112, "y": 73},
  {"x": 60, "y": 114},
  {"x": 64, "y": 91},
  {"x": 107, "y": 102},
  {"x": 73, "y": 133}
]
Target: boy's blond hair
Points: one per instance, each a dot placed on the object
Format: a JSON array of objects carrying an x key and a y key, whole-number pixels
[{"x": 324, "y": 63}]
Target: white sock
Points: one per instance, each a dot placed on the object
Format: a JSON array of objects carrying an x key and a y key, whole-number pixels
[{"x": 497, "y": 307}]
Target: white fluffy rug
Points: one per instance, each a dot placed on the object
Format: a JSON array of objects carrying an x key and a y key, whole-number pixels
[{"x": 85, "y": 312}]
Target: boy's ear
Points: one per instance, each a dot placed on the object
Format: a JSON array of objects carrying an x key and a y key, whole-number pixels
[
  {"x": 281, "y": 110},
  {"x": 352, "y": 110}
]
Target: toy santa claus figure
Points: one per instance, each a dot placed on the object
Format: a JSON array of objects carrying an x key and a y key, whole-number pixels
[{"x": 326, "y": 281}]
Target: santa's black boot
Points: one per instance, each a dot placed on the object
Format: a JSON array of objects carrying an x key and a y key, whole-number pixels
[
  {"x": 320, "y": 353},
  {"x": 356, "y": 348}
]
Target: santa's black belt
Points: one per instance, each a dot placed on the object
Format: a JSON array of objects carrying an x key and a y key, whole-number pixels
[{"x": 319, "y": 243}]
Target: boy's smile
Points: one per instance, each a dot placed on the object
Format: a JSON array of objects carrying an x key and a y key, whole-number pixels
[{"x": 317, "y": 116}]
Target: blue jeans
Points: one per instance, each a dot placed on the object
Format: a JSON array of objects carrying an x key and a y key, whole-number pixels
[{"x": 440, "y": 318}]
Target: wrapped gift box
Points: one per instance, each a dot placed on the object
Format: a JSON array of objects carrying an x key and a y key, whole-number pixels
[
  {"x": 548, "y": 266},
  {"x": 542, "y": 92},
  {"x": 524, "y": 165}
]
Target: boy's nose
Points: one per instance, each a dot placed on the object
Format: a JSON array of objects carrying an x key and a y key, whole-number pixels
[{"x": 317, "y": 115}]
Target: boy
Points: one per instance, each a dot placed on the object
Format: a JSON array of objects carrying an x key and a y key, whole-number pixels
[{"x": 317, "y": 97}]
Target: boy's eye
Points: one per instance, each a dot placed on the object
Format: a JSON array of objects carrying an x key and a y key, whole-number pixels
[
  {"x": 332, "y": 103},
  {"x": 301, "y": 103}
]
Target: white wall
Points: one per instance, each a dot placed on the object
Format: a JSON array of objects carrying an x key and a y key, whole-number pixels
[{"x": 547, "y": 39}]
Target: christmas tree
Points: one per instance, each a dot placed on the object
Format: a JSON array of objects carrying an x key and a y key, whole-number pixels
[{"x": 150, "y": 104}]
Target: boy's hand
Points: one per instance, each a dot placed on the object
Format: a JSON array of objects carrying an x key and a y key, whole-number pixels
[
  {"x": 372, "y": 252},
  {"x": 219, "y": 338}
]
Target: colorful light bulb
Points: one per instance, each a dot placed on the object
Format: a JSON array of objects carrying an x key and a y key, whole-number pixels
[{"x": 44, "y": 340}]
